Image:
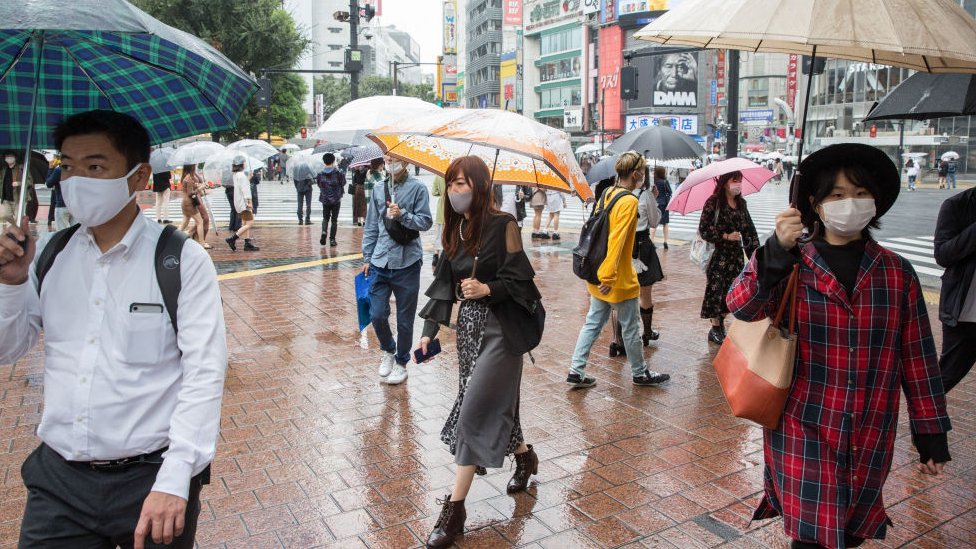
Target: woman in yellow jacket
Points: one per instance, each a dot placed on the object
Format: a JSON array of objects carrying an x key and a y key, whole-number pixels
[{"x": 618, "y": 289}]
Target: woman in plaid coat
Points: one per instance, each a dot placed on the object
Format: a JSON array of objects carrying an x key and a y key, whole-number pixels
[{"x": 863, "y": 336}]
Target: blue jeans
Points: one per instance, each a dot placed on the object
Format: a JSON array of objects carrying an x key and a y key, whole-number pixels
[
  {"x": 628, "y": 314},
  {"x": 951, "y": 178},
  {"x": 404, "y": 284}
]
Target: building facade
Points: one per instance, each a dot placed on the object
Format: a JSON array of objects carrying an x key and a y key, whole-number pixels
[
  {"x": 553, "y": 44},
  {"x": 483, "y": 48}
]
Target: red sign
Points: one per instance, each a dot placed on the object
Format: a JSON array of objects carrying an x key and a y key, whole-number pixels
[
  {"x": 513, "y": 12},
  {"x": 611, "y": 56},
  {"x": 874, "y": 131},
  {"x": 509, "y": 91},
  {"x": 791, "y": 81},
  {"x": 720, "y": 69}
]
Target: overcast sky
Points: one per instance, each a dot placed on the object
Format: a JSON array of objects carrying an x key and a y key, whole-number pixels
[{"x": 422, "y": 19}]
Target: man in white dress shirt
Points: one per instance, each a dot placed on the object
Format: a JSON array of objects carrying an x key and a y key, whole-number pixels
[{"x": 131, "y": 405}]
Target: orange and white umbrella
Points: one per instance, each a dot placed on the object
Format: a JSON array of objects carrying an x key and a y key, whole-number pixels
[{"x": 520, "y": 151}]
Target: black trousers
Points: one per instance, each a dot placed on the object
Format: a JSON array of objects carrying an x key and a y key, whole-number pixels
[
  {"x": 958, "y": 353},
  {"x": 235, "y": 222},
  {"x": 306, "y": 198},
  {"x": 71, "y": 505},
  {"x": 330, "y": 212}
]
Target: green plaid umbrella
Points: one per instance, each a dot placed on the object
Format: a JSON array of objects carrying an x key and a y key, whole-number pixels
[{"x": 59, "y": 58}]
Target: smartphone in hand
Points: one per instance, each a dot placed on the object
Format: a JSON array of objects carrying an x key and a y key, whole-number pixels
[{"x": 433, "y": 348}]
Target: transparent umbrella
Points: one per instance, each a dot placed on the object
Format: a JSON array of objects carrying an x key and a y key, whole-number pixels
[
  {"x": 159, "y": 159},
  {"x": 254, "y": 148},
  {"x": 304, "y": 166},
  {"x": 217, "y": 168},
  {"x": 194, "y": 153}
]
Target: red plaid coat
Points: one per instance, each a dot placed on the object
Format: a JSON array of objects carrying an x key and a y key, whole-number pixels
[{"x": 830, "y": 456}]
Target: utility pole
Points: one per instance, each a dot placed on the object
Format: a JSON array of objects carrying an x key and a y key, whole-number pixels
[
  {"x": 732, "y": 134},
  {"x": 354, "y": 45},
  {"x": 603, "y": 118},
  {"x": 396, "y": 81}
]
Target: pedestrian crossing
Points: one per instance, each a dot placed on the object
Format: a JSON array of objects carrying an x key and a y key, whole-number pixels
[{"x": 279, "y": 203}]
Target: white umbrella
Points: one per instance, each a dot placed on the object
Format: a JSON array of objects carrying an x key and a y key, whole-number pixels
[
  {"x": 217, "y": 168},
  {"x": 254, "y": 148},
  {"x": 872, "y": 31},
  {"x": 950, "y": 155},
  {"x": 159, "y": 159},
  {"x": 290, "y": 147},
  {"x": 352, "y": 121},
  {"x": 194, "y": 153}
]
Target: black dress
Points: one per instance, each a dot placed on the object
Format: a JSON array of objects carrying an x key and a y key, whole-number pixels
[
  {"x": 483, "y": 426},
  {"x": 161, "y": 182},
  {"x": 728, "y": 259}
]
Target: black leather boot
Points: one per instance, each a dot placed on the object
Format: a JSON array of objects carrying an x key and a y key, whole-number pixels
[
  {"x": 617, "y": 345},
  {"x": 647, "y": 315},
  {"x": 716, "y": 335},
  {"x": 526, "y": 465},
  {"x": 449, "y": 525}
]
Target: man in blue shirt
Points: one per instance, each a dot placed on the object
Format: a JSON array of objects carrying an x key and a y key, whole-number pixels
[{"x": 394, "y": 267}]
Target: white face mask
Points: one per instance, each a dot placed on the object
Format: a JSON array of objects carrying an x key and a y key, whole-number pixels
[
  {"x": 849, "y": 216},
  {"x": 94, "y": 201},
  {"x": 10, "y": 160},
  {"x": 735, "y": 188}
]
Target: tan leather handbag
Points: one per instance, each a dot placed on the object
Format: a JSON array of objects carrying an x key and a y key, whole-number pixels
[{"x": 755, "y": 363}]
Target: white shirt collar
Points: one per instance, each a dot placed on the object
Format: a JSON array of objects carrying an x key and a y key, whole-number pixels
[{"x": 124, "y": 246}]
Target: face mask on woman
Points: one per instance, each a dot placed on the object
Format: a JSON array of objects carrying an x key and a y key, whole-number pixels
[
  {"x": 735, "y": 188},
  {"x": 847, "y": 217},
  {"x": 461, "y": 202},
  {"x": 9, "y": 160},
  {"x": 94, "y": 201}
]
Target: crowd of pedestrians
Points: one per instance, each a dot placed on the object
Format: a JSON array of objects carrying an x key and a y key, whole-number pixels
[{"x": 863, "y": 334}]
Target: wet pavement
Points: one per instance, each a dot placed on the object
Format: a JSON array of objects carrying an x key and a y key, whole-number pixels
[{"x": 315, "y": 452}]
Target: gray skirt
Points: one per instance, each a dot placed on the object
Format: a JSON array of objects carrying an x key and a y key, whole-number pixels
[{"x": 484, "y": 424}]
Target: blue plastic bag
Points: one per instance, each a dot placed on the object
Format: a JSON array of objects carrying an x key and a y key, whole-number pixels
[{"x": 362, "y": 300}]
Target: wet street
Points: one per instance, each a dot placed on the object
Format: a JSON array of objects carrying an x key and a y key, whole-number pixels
[{"x": 315, "y": 452}]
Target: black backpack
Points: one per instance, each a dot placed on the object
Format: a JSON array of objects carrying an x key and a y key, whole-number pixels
[
  {"x": 169, "y": 248},
  {"x": 589, "y": 254}
]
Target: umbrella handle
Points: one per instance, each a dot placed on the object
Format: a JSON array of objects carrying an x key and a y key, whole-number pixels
[{"x": 794, "y": 195}]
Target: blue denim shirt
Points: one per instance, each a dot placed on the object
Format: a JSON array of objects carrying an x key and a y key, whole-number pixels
[{"x": 414, "y": 201}]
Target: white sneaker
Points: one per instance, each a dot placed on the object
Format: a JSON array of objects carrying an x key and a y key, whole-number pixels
[
  {"x": 386, "y": 365},
  {"x": 397, "y": 376}
]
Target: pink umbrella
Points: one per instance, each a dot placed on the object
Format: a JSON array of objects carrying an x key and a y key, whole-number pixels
[{"x": 700, "y": 184}]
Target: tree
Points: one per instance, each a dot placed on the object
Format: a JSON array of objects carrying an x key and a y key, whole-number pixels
[
  {"x": 336, "y": 91},
  {"x": 256, "y": 34}
]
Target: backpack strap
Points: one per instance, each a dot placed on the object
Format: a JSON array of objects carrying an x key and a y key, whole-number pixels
[
  {"x": 620, "y": 195},
  {"x": 54, "y": 247},
  {"x": 169, "y": 249}
]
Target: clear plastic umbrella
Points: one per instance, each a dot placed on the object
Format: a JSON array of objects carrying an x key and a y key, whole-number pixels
[
  {"x": 254, "y": 148},
  {"x": 950, "y": 155},
  {"x": 352, "y": 121},
  {"x": 159, "y": 159},
  {"x": 194, "y": 153},
  {"x": 217, "y": 168},
  {"x": 304, "y": 166}
]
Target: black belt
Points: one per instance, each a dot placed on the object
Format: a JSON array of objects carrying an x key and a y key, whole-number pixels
[{"x": 121, "y": 464}]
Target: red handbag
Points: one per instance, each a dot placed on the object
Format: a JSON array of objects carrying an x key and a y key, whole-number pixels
[{"x": 755, "y": 363}]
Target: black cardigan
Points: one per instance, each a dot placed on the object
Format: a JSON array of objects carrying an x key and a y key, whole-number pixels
[
  {"x": 955, "y": 250},
  {"x": 502, "y": 265}
]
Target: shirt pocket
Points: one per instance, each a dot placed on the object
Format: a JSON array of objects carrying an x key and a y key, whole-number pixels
[{"x": 143, "y": 338}]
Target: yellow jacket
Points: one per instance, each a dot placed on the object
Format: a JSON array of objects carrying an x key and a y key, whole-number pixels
[{"x": 617, "y": 270}]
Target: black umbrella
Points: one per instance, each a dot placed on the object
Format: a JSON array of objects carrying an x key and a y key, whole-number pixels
[
  {"x": 924, "y": 95},
  {"x": 604, "y": 169},
  {"x": 659, "y": 143}
]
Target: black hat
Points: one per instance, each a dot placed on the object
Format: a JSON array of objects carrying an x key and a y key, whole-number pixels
[{"x": 883, "y": 171}]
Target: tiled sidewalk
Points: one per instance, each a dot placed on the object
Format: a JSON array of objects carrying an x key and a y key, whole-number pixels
[{"x": 315, "y": 452}]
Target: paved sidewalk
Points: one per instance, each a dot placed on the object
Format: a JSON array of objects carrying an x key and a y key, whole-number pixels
[{"x": 314, "y": 452}]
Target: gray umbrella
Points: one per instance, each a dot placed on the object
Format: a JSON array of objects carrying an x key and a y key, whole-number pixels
[
  {"x": 604, "y": 169},
  {"x": 924, "y": 95},
  {"x": 659, "y": 143},
  {"x": 159, "y": 159}
]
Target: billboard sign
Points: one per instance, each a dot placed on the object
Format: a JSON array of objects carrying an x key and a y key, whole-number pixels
[
  {"x": 675, "y": 77},
  {"x": 608, "y": 99},
  {"x": 545, "y": 13},
  {"x": 573, "y": 119},
  {"x": 685, "y": 123},
  {"x": 450, "y": 26},
  {"x": 513, "y": 12},
  {"x": 756, "y": 116},
  {"x": 791, "y": 80},
  {"x": 591, "y": 6}
]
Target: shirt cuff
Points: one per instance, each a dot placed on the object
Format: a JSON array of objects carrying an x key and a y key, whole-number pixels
[
  {"x": 13, "y": 297},
  {"x": 430, "y": 329},
  {"x": 933, "y": 446},
  {"x": 174, "y": 478}
]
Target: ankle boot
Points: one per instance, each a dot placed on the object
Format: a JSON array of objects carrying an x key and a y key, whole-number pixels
[
  {"x": 449, "y": 525},
  {"x": 716, "y": 335},
  {"x": 647, "y": 315},
  {"x": 617, "y": 347},
  {"x": 526, "y": 465}
]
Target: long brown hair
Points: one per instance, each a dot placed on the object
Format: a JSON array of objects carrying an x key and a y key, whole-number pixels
[{"x": 479, "y": 178}]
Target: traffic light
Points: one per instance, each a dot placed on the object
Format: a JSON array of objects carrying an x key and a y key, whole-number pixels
[
  {"x": 304, "y": 133},
  {"x": 369, "y": 12}
]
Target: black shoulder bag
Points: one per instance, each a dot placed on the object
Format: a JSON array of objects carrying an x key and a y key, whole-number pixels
[{"x": 397, "y": 231}]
